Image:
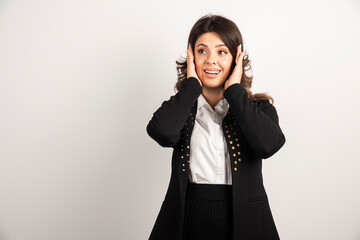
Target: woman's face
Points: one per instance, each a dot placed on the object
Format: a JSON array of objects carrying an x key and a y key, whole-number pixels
[{"x": 212, "y": 60}]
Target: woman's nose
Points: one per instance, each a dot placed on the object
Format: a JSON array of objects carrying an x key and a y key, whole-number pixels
[{"x": 211, "y": 58}]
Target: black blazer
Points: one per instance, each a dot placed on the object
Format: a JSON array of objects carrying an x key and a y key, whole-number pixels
[{"x": 252, "y": 132}]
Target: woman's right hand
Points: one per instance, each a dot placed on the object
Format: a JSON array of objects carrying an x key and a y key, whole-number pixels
[{"x": 191, "y": 72}]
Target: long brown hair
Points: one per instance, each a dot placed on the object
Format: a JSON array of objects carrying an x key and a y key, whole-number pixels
[{"x": 231, "y": 36}]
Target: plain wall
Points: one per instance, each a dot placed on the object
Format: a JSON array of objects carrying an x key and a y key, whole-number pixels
[{"x": 79, "y": 81}]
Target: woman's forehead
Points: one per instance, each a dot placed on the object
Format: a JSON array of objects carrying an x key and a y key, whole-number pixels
[{"x": 209, "y": 39}]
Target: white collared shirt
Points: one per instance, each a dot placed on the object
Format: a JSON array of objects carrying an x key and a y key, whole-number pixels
[{"x": 209, "y": 157}]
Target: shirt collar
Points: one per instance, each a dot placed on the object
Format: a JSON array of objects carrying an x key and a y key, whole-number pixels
[{"x": 202, "y": 101}]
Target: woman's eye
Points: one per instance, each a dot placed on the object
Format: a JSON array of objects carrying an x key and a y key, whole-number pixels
[{"x": 222, "y": 52}]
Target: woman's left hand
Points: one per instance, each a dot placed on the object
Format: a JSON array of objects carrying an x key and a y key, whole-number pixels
[{"x": 235, "y": 76}]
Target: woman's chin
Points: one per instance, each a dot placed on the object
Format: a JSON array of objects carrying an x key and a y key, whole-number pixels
[{"x": 212, "y": 83}]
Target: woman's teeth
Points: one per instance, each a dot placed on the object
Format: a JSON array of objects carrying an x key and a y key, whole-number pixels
[{"x": 212, "y": 72}]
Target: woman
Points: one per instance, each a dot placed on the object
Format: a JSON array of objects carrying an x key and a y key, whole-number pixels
[{"x": 219, "y": 132}]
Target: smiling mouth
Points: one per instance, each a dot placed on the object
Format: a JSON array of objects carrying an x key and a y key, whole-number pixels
[{"x": 212, "y": 72}]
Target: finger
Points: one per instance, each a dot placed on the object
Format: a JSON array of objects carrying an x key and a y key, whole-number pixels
[
  {"x": 237, "y": 69},
  {"x": 238, "y": 54},
  {"x": 241, "y": 57},
  {"x": 188, "y": 57},
  {"x": 191, "y": 53}
]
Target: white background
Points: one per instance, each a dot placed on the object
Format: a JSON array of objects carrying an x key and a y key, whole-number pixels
[{"x": 79, "y": 81}]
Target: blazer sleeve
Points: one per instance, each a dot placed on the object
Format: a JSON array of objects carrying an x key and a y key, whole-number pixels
[
  {"x": 260, "y": 125},
  {"x": 168, "y": 120}
]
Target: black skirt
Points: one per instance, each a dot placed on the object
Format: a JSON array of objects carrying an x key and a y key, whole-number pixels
[{"x": 208, "y": 212}]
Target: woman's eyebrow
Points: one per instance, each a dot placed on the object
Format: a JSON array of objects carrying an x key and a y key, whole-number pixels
[{"x": 202, "y": 44}]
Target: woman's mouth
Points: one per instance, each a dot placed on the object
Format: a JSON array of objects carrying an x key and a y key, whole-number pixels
[{"x": 212, "y": 74}]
